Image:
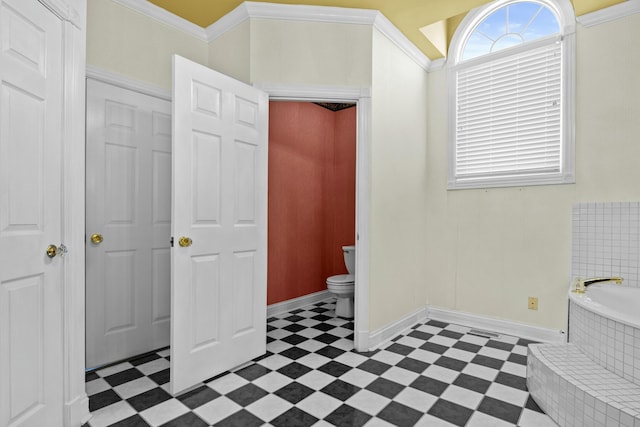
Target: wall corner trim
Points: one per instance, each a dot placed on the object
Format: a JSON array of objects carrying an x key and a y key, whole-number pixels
[
  {"x": 165, "y": 17},
  {"x": 611, "y": 13},
  {"x": 392, "y": 32},
  {"x": 502, "y": 326}
]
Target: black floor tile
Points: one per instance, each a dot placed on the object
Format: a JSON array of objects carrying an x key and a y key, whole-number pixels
[
  {"x": 330, "y": 352},
  {"x": 429, "y": 385},
  {"x": 123, "y": 377},
  {"x": 469, "y": 382},
  {"x": 294, "y": 370},
  {"x": 531, "y": 404},
  {"x": 340, "y": 390},
  {"x": 90, "y": 376},
  {"x": 198, "y": 397},
  {"x": 247, "y": 394},
  {"x": 500, "y": 409},
  {"x": 420, "y": 335},
  {"x": 161, "y": 377},
  {"x": 327, "y": 338},
  {"x": 450, "y": 334},
  {"x": 512, "y": 381},
  {"x": 102, "y": 399},
  {"x": 500, "y": 345},
  {"x": 489, "y": 362},
  {"x": 334, "y": 368},
  {"x": 133, "y": 421},
  {"x": 148, "y": 399},
  {"x": 400, "y": 349},
  {"x": 400, "y": 415},
  {"x": 374, "y": 367},
  {"x": 294, "y": 339},
  {"x": 144, "y": 359},
  {"x": 294, "y": 392},
  {"x": 413, "y": 365},
  {"x": 466, "y": 346},
  {"x": 187, "y": 420},
  {"x": 385, "y": 387},
  {"x": 294, "y": 353},
  {"x": 517, "y": 358},
  {"x": 241, "y": 418},
  {"x": 434, "y": 348},
  {"x": 450, "y": 363},
  {"x": 294, "y": 417},
  {"x": 347, "y": 416},
  {"x": 451, "y": 412},
  {"x": 253, "y": 372}
]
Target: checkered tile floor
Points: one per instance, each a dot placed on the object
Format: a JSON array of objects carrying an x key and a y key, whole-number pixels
[{"x": 435, "y": 374}]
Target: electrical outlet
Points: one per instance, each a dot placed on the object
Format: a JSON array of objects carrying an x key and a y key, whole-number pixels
[{"x": 533, "y": 303}]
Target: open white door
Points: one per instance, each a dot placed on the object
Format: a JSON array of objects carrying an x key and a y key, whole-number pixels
[
  {"x": 219, "y": 224},
  {"x": 31, "y": 208}
]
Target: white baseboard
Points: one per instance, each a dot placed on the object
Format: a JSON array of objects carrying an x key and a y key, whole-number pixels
[
  {"x": 76, "y": 412},
  {"x": 534, "y": 333},
  {"x": 384, "y": 334},
  {"x": 296, "y": 303}
]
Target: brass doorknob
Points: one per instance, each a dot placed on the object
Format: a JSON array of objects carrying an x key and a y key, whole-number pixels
[
  {"x": 185, "y": 242},
  {"x": 52, "y": 251},
  {"x": 96, "y": 239}
]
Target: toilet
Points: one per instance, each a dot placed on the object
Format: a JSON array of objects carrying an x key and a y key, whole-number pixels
[{"x": 342, "y": 285}]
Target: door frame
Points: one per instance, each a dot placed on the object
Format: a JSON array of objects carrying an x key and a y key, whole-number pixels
[
  {"x": 362, "y": 97},
  {"x": 72, "y": 14}
]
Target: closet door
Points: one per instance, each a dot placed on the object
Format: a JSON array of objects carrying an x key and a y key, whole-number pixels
[
  {"x": 128, "y": 223},
  {"x": 31, "y": 268}
]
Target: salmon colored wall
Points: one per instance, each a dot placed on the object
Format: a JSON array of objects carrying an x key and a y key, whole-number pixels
[{"x": 312, "y": 173}]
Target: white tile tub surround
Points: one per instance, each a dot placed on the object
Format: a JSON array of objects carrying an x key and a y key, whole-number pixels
[
  {"x": 574, "y": 391},
  {"x": 611, "y": 344},
  {"x": 606, "y": 241}
]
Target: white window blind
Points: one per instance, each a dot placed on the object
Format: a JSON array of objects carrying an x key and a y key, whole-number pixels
[{"x": 509, "y": 115}]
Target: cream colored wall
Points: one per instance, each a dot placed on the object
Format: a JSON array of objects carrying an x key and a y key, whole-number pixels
[
  {"x": 398, "y": 185},
  {"x": 488, "y": 250},
  {"x": 310, "y": 53},
  {"x": 129, "y": 43},
  {"x": 231, "y": 54}
]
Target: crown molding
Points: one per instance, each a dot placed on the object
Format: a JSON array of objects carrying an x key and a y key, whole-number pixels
[
  {"x": 165, "y": 17},
  {"x": 285, "y": 12},
  {"x": 326, "y": 14},
  {"x": 610, "y": 13}
]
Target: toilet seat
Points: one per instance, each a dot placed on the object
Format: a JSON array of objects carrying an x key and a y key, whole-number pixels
[{"x": 342, "y": 279}]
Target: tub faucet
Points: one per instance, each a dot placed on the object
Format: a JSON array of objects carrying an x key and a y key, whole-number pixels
[{"x": 580, "y": 285}]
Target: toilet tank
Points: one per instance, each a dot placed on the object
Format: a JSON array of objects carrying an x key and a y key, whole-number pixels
[{"x": 350, "y": 258}]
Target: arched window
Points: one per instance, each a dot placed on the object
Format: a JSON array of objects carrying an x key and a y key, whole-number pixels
[{"x": 511, "y": 95}]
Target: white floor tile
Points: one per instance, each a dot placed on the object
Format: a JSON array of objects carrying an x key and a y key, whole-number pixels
[
  {"x": 105, "y": 372},
  {"x": 269, "y": 407},
  {"x": 416, "y": 399},
  {"x": 164, "y": 412},
  {"x": 508, "y": 394},
  {"x": 96, "y": 386},
  {"x": 135, "y": 387},
  {"x": 153, "y": 366},
  {"x": 479, "y": 419},
  {"x": 316, "y": 380},
  {"x": 535, "y": 419},
  {"x": 368, "y": 402},
  {"x": 319, "y": 404},
  {"x": 217, "y": 410},
  {"x": 400, "y": 376},
  {"x": 227, "y": 383},
  {"x": 110, "y": 414}
]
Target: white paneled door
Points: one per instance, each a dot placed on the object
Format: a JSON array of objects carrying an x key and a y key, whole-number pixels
[
  {"x": 219, "y": 258},
  {"x": 31, "y": 383},
  {"x": 128, "y": 221}
]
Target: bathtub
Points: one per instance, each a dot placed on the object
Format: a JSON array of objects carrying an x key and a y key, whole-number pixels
[{"x": 604, "y": 323}]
